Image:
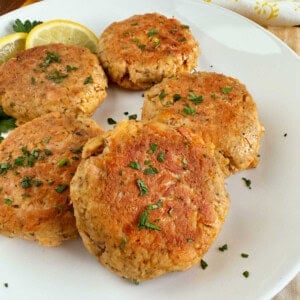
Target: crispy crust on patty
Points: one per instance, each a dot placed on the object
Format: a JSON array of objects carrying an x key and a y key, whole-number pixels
[
  {"x": 217, "y": 107},
  {"x": 50, "y": 78},
  {"x": 143, "y": 49},
  {"x": 38, "y": 160},
  {"x": 125, "y": 184}
]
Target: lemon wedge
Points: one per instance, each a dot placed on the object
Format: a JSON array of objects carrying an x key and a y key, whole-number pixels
[
  {"x": 11, "y": 44},
  {"x": 62, "y": 31}
]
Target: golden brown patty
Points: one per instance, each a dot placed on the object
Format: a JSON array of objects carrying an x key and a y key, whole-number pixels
[
  {"x": 37, "y": 162},
  {"x": 55, "y": 77},
  {"x": 216, "y": 106},
  {"x": 142, "y": 50},
  {"x": 148, "y": 199}
]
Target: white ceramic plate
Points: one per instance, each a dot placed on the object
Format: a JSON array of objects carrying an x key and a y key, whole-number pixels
[{"x": 263, "y": 222}]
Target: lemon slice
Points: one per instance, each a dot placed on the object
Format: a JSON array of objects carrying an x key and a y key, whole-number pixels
[
  {"x": 62, "y": 31},
  {"x": 11, "y": 44}
]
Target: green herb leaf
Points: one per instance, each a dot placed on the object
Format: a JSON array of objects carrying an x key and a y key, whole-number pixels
[
  {"x": 8, "y": 201},
  {"x": 223, "y": 248},
  {"x": 88, "y": 80},
  {"x": 7, "y": 123},
  {"x": 176, "y": 97},
  {"x": 77, "y": 150},
  {"x": 226, "y": 89},
  {"x": 246, "y": 274},
  {"x": 47, "y": 152},
  {"x": 63, "y": 162},
  {"x": 188, "y": 110},
  {"x": 60, "y": 188},
  {"x": 111, "y": 121},
  {"x": 4, "y": 167},
  {"x": 152, "y": 32},
  {"x": 134, "y": 165},
  {"x": 70, "y": 68},
  {"x": 203, "y": 264},
  {"x": 132, "y": 117},
  {"x": 143, "y": 221},
  {"x": 19, "y": 161},
  {"x": 247, "y": 182},
  {"x": 123, "y": 243},
  {"x": 57, "y": 76},
  {"x": 150, "y": 170},
  {"x": 162, "y": 95},
  {"x": 161, "y": 156},
  {"x": 19, "y": 26},
  {"x": 26, "y": 182},
  {"x": 153, "y": 148},
  {"x": 142, "y": 186},
  {"x": 194, "y": 98}
]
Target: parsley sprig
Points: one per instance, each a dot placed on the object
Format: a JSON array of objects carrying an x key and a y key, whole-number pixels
[
  {"x": 25, "y": 26},
  {"x": 143, "y": 221}
]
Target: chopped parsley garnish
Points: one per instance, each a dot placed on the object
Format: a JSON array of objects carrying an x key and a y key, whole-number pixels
[
  {"x": 244, "y": 255},
  {"x": 152, "y": 32},
  {"x": 132, "y": 117},
  {"x": 134, "y": 165},
  {"x": 152, "y": 148},
  {"x": 47, "y": 152},
  {"x": 37, "y": 183},
  {"x": 25, "y": 26},
  {"x": 60, "y": 188},
  {"x": 26, "y": 182},
  {"x": 142, "y": 187},
  {"x": 4, "y": 167},
  {"x": 223, "y": 248},
  {"x": 185, "y": 26},
  {"x": 247, "y": 182},
  {"x": 111, "y": 121},
  {"x": 33, "y": 80},
  {"x": 77, "y": 150},
  {"x": 162, "y": 95},
  {"x": 182, "y": 39},
  {"x": 123, "y": 243},
  {"x": 188, "y": 110},
  {"x": 63, "y": 162},
  {"x": 194, "y": 98},
  {"x": 246, "y": 274},
  {"x": 70, "y": 68},
  {"x": 161, "y": 156},
  {"x": 143, "y": 221},
  {"x": 51, "y": 57},
  {"x": 141, "y": 46},
  {"x": 88, "y": 80},
  {"x": 176, "y": 97},
  {"x": 203, "y": 264},
  {"x": 57, "y": 76},
  {"x": 19, "y": 161},
  {"x": 150, "y": 170},
  {"x": 226, "y": 89},
  {"x": 8, "y": 201}
]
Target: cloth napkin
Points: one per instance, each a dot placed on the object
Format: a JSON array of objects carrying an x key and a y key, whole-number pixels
[{"x": 267, "y": 13}]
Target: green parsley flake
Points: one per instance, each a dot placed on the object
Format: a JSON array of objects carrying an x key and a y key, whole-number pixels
[
  {"x": 142, "y": 187},
  {"x": 223, "y": 248},
  {"x": 70, "y": 68},
  {"x": 111, "y": 121},
  {"x": 60, "y": 188},
  {"x": 246, "y": 274},
  {"x": 47, "y": 152},
  {"x": 176, "y": 97},
  {"x": 19, "y": 161},
  {"x": 56, "y": 76},
  {"x": 161, "y": 156},
  {"x": 203, "y": 264},
  {"x": 153, "y": 148},
  {"x": 132, "y": 117},
  {"x": 77, "y": 150},
  {"x": 33, "y": 80},
  {"x": 194, "y": 98},
  {"x": 88, "y": 80},
  {"x": 247, "y": 182},
  {"x": 226, "y": 89},
  {"x": 134, "y": 165},
  {"x": 152, "y": 32},
  {"x": 143, "y": 221},
  {"x": 182, "y": 39},
  {"x": 25, "y": 26},
  {"x": 244, "y": 255},
  {"x": 188, "y": 110},
  {"x": 26, "y": 182},
  {"x": 150, "y": 170},
  {"x": 123, "y": 243},
  {"x": 8, "y": 201},
  {"x": 63, "y": 162},
  {"x": 4, "y": 167},
  {"x": 162, "y": 95}
]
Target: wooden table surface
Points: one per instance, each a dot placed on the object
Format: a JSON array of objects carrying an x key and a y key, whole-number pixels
[{"x": 289, "y": 35}]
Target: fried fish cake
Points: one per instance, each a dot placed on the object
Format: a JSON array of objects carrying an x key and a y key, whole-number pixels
[
  {"x": 143, "y": 49},
  {"x": 148, "y": 199},
  {"x": 50, "y": 78},
  {"x": 37, "y": 162},
  {"x": 214, "y": 105}
]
